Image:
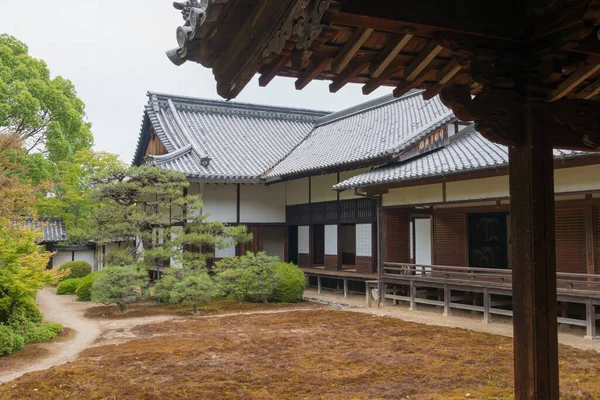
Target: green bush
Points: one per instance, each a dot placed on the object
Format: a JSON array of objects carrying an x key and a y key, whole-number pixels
[
  {"x": 78, "y": 269},
  {"x": 260, "y": 278},
  {"x": 68, "y": 286},
  {"x": 42, "y": 332},
  {"x": 29, "y": 311},
  {"x": 119, "y": 285},
  {"x": 290, "y": 283},
  {"x": 10, "y": 341},
  {"x": 84, "y": 288}
]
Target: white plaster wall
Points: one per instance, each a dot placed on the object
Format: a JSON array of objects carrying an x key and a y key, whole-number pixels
[
  {"x": 303, "y": 240},
  {"x": 88, "y": 256},
  {"x": 221, "y": 202},
  {"x": 347, "y": 194},
  {"x": 577, "y": 179},
  {"x": 474, "y": 189},
  {"x": 322, "y": 188},
  {"x": 273, "y": 240},
  {"x": 414, "y": 195},
  {"x": 331, "y": 240},
  {"x": 61, "y": 257},
  {"x": 227, "y": 252},
  {"x": 296, "y": 192},
  {"x": 423, "y": 241},
  {"x": 364, "y": 240},
  {"x": 262, "y": 204}
]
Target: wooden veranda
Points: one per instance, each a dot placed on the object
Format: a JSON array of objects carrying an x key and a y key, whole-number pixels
[{"x": 527, "y": 73}]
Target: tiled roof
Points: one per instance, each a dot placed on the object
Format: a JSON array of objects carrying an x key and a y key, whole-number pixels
[
  {"x": 239, "y": 141},
  {"x": 372, "y": 132},
  {"x": 53, "y": 229},
  {"x": 468, "y": 151}
]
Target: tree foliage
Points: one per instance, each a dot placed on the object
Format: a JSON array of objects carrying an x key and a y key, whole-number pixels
[
  {"x": 150, "y": 204},
  {"x": 194, "y": 287},
  {"x": 119, "y": 285},
  {"x": 44, "y": 112}
]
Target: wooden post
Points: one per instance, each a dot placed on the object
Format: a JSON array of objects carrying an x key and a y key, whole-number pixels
[
  {"x": 487, "y": 302},
  {"x": 447, "y": 299},
  {"x": 590, "y": 313},
  {"x": 368, "y": 293},
  {"x": 533, "y": 257},
  {"x": 590, "y": 235},
  {"x": 412, "y": 295},
  {"x": 318, "y": 284},
  {"x": 345, "y": 288}
]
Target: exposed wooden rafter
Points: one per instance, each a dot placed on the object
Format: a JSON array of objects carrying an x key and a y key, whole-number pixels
[
  {"x": 351, "y": 72},
  {"x": 576, "y": 78},
  {"x": 394, "y": 47},
  {"x": 316, "y": 67},
  {"x": 406, "y": 86},
  {"x": 358, "y": 38},
  {"x": 386, "y": 75},
  {"x": 272, "y": 71},
  {"x": 443, "y": 78},
  {"x": 422, "y": 61},
  {"x": 590, "y": 91}
]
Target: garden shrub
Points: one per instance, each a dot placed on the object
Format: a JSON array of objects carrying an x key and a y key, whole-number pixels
[
  {"x": 260, "y": 278},
  {"x": 290, "y": 283},
  {"x": 29, "y": 311},
  {"x": 68, "y": 286},
  {"x": 10, "y": 341},
  {"x": 119, "y": 285},
  {"x": 78, "y": 269},
  {"x": 42, "y": 332},
  {"x": 84, "y": 287}
]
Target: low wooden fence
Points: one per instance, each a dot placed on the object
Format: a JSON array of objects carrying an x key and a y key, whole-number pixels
[{"x": 405, "y": 282}]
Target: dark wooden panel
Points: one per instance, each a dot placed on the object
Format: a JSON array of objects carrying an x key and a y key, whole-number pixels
[
  {"x": 304, "y": 260},
  {"x": 364, "y": 265},
  {"x": 570, "y": 240},
  {"x": 449, "y": 240},
  {"x": 597, "y": 239},
  {"x": 397, "y": 237},
  {"x": 155, "y": 146},
  {"x": 331, "y": 262}
]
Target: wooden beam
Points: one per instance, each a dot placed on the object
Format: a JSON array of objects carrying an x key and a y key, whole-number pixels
[
  {"x": 443, "y": 78},
  {"x": 531, "y": 174},
  {"x": 422, "y": 61},
  {"x": 394, "y": 47},
  {"x": 354, "y": 43},
  {"x": 350, "y": 73},
  {"x": 573, "y": 81},
  {"x": 316, "y": 67},
  {"x": 590, "y": 235},
  {"x": 590, "y": 91},
  {"x": 272, "y": 71},
  {"x": 374, "y": 83},
  {"x": 405, "y": 87}
]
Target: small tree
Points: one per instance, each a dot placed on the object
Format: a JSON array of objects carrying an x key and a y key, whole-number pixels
[
  {"x": 119, "y": 285},
  {"x": 194, "y": 288},
  {"x": 250, "y": 277}
]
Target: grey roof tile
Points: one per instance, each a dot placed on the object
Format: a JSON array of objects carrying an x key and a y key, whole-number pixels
[
  {"x": 241, "y": 140},
  {"x": 468, "y": 151},
  {"x": 53, "y": 229},
  {"x": 371, "y": 132}
]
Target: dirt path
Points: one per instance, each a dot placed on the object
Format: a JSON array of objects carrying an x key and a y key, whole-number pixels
[{"x": 67, "y": 311}]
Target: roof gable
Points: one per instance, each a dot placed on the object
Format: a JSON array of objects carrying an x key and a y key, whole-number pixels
[{"x": 53, "y": 229}]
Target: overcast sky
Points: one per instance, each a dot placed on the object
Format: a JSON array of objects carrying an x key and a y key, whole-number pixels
[{"x": 114, "y": 52}]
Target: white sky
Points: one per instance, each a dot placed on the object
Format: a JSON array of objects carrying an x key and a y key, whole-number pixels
[{"x": 114, "y": 52}]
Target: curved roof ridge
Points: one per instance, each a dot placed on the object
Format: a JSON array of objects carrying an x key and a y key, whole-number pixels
[
  {"x": 364, "y": 107},
  {"x": 240, "y": 107},
  {"x": 172, "y": 156}
]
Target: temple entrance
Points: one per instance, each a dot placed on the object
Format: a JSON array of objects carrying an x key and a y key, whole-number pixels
[{"x": 488, "y": 240}]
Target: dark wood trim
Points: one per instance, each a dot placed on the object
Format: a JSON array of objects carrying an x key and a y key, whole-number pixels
[
  {"x": 590, "y": 234},
  {"x": 581, "y": 161},
  {"x": 311, "y": 235},
  {"x": 444, "y": 197},
  {"x": 238, "y": 203},
  {"x": 414, "y": 241},
  {"x": 534, "y": 259}
]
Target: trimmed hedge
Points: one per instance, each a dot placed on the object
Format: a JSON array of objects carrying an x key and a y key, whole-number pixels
[
  {"x": 10, "y": 341},
  {"x": 68, "y": 286},
  {"x": 290, "y": 283},
  {"x": 84, "y": 289},
  {"x": 42, "y": 332},
  {"x": 79, "y": 269}
]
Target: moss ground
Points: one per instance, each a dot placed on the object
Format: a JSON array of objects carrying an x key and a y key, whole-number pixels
[{"x": 299, "y": 355}]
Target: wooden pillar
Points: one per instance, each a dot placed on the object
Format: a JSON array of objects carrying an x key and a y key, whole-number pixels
[
  {"x": 318, "y": 284},
  {"x": 447, "y": 299},
  {"x": 487, "y": 303},
  {"x": 345, "y": 288},
  {"x": 412, "y": 295},
  {"x": 590, "y": 235},
  {"x": 590, "y": 312},
  {"x": 533, "y": 259}
]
